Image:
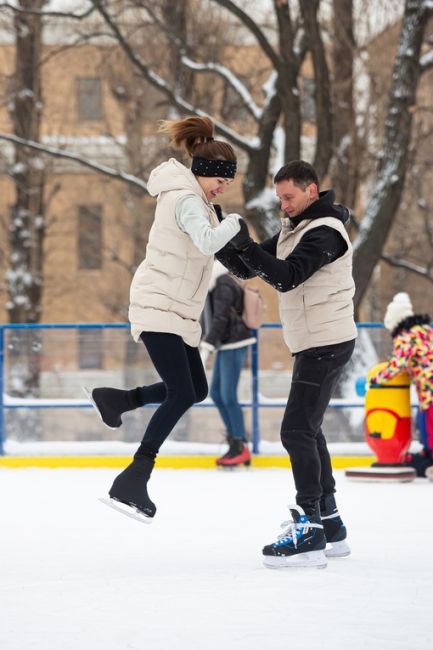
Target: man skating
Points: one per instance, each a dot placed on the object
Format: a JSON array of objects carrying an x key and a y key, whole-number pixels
[{"x": 309, "y": 263}]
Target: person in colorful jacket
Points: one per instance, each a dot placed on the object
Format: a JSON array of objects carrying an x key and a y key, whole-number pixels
[
  {"x": 167, "y": 295},
  {"x": 412, "y": 340}
]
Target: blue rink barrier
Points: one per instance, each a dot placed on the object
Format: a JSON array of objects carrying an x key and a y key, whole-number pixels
[{"x": 255, "y": 404}]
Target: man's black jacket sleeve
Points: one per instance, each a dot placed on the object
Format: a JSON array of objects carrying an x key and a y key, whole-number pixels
[
  {"x": 233, "y": 263},
  {"x": 317, "y": 247}
]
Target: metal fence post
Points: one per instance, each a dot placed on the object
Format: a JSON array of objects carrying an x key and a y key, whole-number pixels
[
  {"x": 2, "y": 430},
  {"x": 255, "y": 394}
]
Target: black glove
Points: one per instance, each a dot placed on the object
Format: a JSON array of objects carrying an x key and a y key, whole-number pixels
[
  {"x": 242, "y": 239},
  {"x": 219, "y": 212}
]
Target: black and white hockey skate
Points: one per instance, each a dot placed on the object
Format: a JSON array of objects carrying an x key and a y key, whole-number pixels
[
  {"x": 128, "y": 494},
  {"x": 302, "y": 543},
  {"x": 335, "y": 530}
]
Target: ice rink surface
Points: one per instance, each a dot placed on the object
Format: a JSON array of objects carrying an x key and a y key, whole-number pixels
[{"x": 75, "y": 575}]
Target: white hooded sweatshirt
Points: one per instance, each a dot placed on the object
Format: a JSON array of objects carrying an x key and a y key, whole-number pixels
[{"x": 169, "y": 288}]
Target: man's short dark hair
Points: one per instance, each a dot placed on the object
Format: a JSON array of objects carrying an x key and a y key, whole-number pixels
[{"x": 298, "y": 171}]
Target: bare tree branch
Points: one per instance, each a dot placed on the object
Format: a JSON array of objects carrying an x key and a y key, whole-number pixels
[
  {"x": 51, "y": 14},
  {"x": 382, "y": 207},
  {"x": 322, "y": 91},
  {"x": 426, "y": 61},
  {"x": 60, "y": 153},
  {"x": 162, "y": 25},
  {"x": 254, "y": 29},
  {"x": 231, "y": 79},
  {"x": 423, "y": 271},
  {"x": 81, "y": 39},
  {"x": 114, "y": 256},
  {"x": 161, "y": 84}
]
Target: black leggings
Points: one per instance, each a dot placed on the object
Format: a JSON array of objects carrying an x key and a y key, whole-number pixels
[{"x": 183, "y": 383}]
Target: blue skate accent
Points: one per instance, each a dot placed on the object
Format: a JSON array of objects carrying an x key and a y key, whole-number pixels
[{"x": 301, "y": 531}]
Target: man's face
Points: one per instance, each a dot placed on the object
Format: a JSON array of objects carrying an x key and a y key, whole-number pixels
[
  {"x": 213, "y": 186},
  {"x": 293, "y": 198}
]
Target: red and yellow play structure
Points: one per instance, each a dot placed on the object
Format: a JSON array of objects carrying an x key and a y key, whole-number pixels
[{"x": 388, "y": 429}]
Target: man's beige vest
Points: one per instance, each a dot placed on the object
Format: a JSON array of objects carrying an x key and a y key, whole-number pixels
[
  {"x": 169, "y": 288},
  {"x": 319, "y": 311}
]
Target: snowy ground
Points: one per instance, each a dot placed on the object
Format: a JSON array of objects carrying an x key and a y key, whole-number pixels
[{"x": 77, "y": 575}]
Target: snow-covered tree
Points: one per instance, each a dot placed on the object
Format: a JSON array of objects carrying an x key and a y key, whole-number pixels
[
  {"x": 345, "y": 173},
  {"x": 266, "y": 138},
  {"x": 389, "y": 183},
  {"x": 27, "y": 218}
]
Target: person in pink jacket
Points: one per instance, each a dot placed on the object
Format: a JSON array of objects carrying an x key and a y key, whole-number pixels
[{"x": 412, "y": 339}]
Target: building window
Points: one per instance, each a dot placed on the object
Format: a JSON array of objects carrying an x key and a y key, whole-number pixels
[
  {"x": 89, "y": 98},
  {"x": 90, "y": 349},
  {"x": 90, "y": 237}
]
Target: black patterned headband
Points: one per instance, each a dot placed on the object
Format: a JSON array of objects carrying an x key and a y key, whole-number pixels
[{"x": 205, "y": 167}]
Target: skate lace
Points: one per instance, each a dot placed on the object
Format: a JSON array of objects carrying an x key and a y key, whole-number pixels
[{"x": 294, "y": 530}]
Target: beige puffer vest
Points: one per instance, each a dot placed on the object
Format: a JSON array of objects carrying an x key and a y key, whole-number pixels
[
  {"x": 319, "y": 311},
  {"x": 169, "y": 287}
]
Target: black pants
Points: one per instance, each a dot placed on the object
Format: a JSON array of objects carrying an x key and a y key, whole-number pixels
[
  {"x": 183, "y": 383},
  {"x": 315, "y": 375}
]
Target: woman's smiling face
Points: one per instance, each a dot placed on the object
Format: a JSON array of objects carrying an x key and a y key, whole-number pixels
[{"x": 212, "y": 186}]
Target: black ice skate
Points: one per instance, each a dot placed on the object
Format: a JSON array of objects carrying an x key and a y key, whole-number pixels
[
  {"x": 335, "y": 530},
  {"x": 128, "y": 494},
  {"x": 110, "y": 403},
  {"x": 301, "y": 545}
]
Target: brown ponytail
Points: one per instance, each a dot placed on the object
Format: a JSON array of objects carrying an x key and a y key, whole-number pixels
[{"x": 195, "y": 135}]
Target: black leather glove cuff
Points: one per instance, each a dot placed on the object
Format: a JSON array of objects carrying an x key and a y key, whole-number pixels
[{"x": 242, "y": 239}]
